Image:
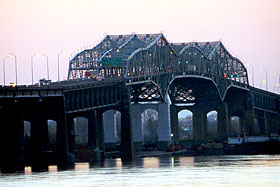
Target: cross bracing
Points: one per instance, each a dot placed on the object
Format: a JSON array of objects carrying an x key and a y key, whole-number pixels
[{"x": 141, "y": 57}]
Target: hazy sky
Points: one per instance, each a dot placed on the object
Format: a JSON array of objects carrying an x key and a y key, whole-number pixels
[{"x": 250, "y": 29}]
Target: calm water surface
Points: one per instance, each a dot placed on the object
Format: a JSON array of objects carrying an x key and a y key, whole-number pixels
[{"x": 257, "y": 170}]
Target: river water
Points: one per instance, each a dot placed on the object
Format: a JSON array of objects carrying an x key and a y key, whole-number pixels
[{"x": 241, "y": 170}]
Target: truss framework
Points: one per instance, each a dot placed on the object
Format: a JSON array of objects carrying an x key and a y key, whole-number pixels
[{"x": 140, "y": 57}]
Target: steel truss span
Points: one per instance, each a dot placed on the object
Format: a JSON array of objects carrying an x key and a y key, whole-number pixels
[{"x": 144, "y": 57}]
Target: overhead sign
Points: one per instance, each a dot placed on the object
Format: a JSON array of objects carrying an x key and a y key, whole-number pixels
[{"x": 111, "y": 62}]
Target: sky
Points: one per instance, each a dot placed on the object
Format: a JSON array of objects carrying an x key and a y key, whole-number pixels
[{"x": 249, "y": 29}]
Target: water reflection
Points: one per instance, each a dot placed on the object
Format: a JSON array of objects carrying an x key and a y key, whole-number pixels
[
  {"x": 81, "y": 166},
  {"x": 151, "y": 162},
  {"x": 161, "y": 162},
  {"x": 27, "y": 170},
  {"x": 186, "y": 161},
  {"x": 52, "y": 168},
  {"x": 164, "y": 171}
]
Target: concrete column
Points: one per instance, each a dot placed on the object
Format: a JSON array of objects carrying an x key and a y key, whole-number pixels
[
  {"x": 138, "y": 139},
  {"x": 198, "y": 133},
  {"x": 126, "y": 125},
  {"x": 100, "y": 130},
  {"x": 95, "y": 145},
  {"x": 204, "y": 126},
  {"x": 39, "y": 139},
  {"x": 261, "y": 123},
  {"x": 109, "y": 127},
  {"x": 266, "y": 123},
  {"x": 92, "y": 130},
  {"x": 71, "y": 133},
  {"x": 174, "y": 122},
  {"x": 243, "y": 126},
  {"x": 249, "y": 123},
  {"x": 45, "y": 135},
  {"x": 65, "y": 156},
  {"x": 164, "y": 127},
  {"x": 223, "y": 122},
  {"x": 11, "y": 141}
]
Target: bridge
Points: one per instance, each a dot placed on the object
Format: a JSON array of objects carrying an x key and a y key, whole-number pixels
[{"x": 129, "y": 74}]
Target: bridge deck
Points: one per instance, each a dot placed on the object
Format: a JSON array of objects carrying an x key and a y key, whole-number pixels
[{"x": 55, "y": 88}]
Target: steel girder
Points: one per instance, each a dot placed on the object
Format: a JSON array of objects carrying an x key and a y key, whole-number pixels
[
  {"x": 265, "y": 100},
  {"x": 142, "y": 57}
]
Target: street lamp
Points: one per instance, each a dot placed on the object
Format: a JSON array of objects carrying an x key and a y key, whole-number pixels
[
  {"x": 32, "y": 64},
  {"x": 62, "y": 52},
  {"x": 32, "y": 68},
  {"x": 9, "y": 55},
  {"x": 47, "y": 64},
  {"x": 253, "y": 79},
  {"x": 4, "y": 68},
  {"x": 266, "y": 81}
]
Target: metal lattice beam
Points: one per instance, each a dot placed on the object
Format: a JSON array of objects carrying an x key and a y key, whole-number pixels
[{"x": 142, "y": 57}]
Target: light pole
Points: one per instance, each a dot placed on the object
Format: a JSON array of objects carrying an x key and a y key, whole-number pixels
[
  {"x": 62, "y": 52},
  {"x": 9, "y": 55},
  {"x": 4, "y": 68},
  {"x": 47, "y": 64},
  {"x": 265, "y": 78},
  {"x": 253, "y": 79},
  {"x": 32, "y": 67},
  {"x": 32, "y": 64}
]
